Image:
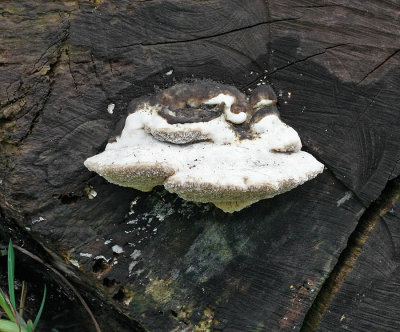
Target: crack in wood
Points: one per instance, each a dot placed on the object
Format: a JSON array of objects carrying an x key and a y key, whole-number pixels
[
  {"x": 13, "y": 100},
  {"x": 393, "y": 169},
  {"x": 70, "y": 68},
  {"x": 10, "y": 63},
  {"x": 379, "y": 65},
  {"x": 269, "y": 43},
  {"x": 62, "y": 41},
  {"x": 294, "y": 63},
  {"x": 100, "y": 82},
  {"x": 350, "y": 254},
  {"x": 5, "y": 13},
  {"x": 319, "y": 6},
  {"x": 210, "y": 36},
  {"x": 59, "y": 42},
  {"x": 53, "y": 66}
]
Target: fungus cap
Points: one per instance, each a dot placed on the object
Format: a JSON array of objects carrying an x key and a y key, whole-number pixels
[{"x": 207, "y": 158}]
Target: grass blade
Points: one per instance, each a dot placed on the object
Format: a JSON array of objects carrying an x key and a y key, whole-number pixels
[
  {"x": 8, "y": 326},
  {"x": 79, "y": 296},
  {"x": 16, "y": 317},
  {"x": 11, "y": 270},
  {"x": 6, "y": 308},
  {"x": 29, "y": 326},
  {"x": 41, "y": 308}
]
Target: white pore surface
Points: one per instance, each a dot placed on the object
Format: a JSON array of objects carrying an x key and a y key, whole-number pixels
[
  {"x": 224, "y": 162},
  {"x": 264, "y": 102},
  {"x": 228, "y": 100},
  {"x": 278, "y": 135}
]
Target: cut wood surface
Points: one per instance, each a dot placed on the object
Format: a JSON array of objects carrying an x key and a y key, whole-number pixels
[
  {"x": 369, "y": 298},
  {"x": 170, "y": 264}
]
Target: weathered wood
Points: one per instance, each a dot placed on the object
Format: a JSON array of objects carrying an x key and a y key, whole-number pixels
[
  {"x": 62, "y": 311},
  {"x": 369, "y": 298},
  {"x": 335, "y": 68}
]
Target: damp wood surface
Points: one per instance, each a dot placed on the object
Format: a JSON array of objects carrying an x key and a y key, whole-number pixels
[
  {"x": 169, "y": 265},
  {"x": 369, "y": 298}
]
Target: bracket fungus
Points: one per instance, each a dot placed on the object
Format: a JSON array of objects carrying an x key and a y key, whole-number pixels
[{"x": 208, "y": 142}]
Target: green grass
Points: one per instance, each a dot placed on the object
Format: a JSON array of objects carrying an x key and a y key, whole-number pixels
[{"x": 15, "y": 321}]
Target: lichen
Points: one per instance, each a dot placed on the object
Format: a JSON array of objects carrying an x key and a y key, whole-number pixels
[{"x": 209, "y": 254}]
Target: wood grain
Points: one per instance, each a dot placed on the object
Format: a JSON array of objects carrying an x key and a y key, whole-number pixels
[
  {"x": 369, "y": 298},
  {"x": 335, "y": 68}
]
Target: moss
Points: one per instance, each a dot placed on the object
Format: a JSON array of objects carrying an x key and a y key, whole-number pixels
[
  {"x": 97, "y": 2},
  {"x": 207, "y": 321},
  {"x": 14, "y": 10},
  {"x": 159, "y": 290},
  {"x": 260, "y": 327},
  {"x": 45, "y": 70},
  {"x": 184, "y": 314},
  {"x": 141, "y": 304},
  {"x": 12, "y": 109},
  {"x": 7, "y": 129}
]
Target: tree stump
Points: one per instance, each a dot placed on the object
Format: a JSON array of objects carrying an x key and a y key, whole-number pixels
[{"x": 173, "y": 265}]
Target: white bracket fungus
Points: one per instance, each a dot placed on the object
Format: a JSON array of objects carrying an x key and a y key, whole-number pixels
[{"x": 208, "y": 142}]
